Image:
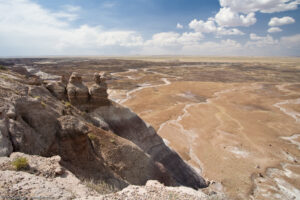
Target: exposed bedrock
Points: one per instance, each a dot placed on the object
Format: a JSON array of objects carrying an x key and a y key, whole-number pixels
[
  {"x": 98, "y": 92},
  {"x": 110, "y": 143},
  {"x": 127, "y": 124},
  {"x": 58, "y": 88},
  {"x": 78, "y": 93}
]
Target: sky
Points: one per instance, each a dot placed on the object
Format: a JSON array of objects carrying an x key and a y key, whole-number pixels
[{"x": 149, "y": 27}]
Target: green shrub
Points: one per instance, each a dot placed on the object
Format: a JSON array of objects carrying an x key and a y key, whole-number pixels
[
  {"x": 2, "y": 67},
  {"x": 92, "y": 136},
  {"x": 20, "y": 163},
  {"x": 67, "y": 104},
  {"x": 43, "y": 104}
]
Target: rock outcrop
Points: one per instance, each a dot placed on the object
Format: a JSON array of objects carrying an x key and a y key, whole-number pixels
[
  {"x": 46, "y": 178},
  {"x": 6, "y": 147},
  {"x": 108, "y": 143},
  {"x": 78, "y": 93},
  {"x": 98, "y": 92},
  {"x": 123, "y": 122},
  {"x": 58, "y": 88}
]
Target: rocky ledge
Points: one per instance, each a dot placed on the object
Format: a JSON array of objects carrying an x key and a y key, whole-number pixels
[{"x": 94, "y": 138}]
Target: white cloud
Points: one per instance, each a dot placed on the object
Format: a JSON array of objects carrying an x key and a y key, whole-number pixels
[
  {"x": 261, "y": 41},
  {"x": 264, "y": 6},
  {"x": 291, "y": 41},
  {"x": 179, "y": 26},
  {"x": 233, "y": 31},
  {"x": 29, "y": 29},
  {"x": 204, "y": 27},
  {"x": 171, "y": 39},
  {"x": 72, "y": 8},
  {"x": 274, "y": 30},
  {"x": 210, "y": 27},
  {"x": 227, "y": 17},
  {"x": 275, "y": 21}
]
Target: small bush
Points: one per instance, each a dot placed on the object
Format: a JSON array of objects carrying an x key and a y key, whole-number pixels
[
  {"x": 113, "y": 141},
  {"x": 2, "y": 67},
  {"x": 101, "y": 187},
  {"x": 43, "y": 104},
  {"x": 20, "y": 163},
  {"x": 92, "y": 136},
  {"x": 67, "y": 104}
]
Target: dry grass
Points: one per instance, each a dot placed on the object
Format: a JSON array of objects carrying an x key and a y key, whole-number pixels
[{"x": 101, "y": 187}]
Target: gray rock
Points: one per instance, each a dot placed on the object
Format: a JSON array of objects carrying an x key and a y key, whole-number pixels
[
  {"x": 98, "y": 92},
  {"x": 127, "y": 124},
  {"x": 77, "y": 92},
  {"x": 58, "y": 89},
  {"x": 6, "y": 147},
  {"x": 35, "y": 127}
]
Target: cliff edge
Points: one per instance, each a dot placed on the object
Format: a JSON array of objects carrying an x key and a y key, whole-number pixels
[{"x": 95, "y": 138}]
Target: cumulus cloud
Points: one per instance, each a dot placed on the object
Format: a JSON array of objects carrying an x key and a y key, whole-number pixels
[
  {"x": 171, "y": 39},
  {"x": 210, "y": 27},
  {"x": 274, "y": 30},
  {"x": 201, "y": 26},
  {"x": 227, "y": 17},
  {"x": 275, "y": 21},
  {"x": 264, "y": 6},
  {"x": 179, "y": 26},
  {"x": 261, "y": 41},
  {"x": 30, "y": 29}
]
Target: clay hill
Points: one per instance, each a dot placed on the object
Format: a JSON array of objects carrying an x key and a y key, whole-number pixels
[{"x": 64, "y": 140}]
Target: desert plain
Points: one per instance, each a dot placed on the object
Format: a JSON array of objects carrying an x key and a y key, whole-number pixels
[{"x": 235, "y": 120}]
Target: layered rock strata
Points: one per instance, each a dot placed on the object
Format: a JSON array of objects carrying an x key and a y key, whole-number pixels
[{"x": 109, "y": 143}]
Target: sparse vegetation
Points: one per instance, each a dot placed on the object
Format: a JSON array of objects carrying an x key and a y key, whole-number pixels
[
  {"x": 100, "y": 187},
  {"x": 172, "y": 196},
  {"x": 67, "y": 104},
  {"x": 2, "y": 67},
  {"x": 43, "y": 104},
  {"x": 92, "y": 136},
  {"x": 113, "y": 141},
  {"x": 20, "y": 163}
]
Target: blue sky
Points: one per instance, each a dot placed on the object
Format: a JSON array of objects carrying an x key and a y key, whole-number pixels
[{"x": 150, "y": 27}]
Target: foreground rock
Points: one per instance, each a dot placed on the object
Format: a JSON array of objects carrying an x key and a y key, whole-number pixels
[{"x": 46, "y": 178}]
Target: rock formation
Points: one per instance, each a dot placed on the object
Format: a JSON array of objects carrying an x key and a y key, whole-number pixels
[
  {"x": 109, "y": 143},
  {"x": 98, "y": 92},
  {"x": 45, "y": 178},
  {"x": 78, "y": 93},
  {"x": 58, "y": 88}
]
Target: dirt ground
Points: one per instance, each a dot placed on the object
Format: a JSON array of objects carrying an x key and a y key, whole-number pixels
[{"x": 235, "y": 120}]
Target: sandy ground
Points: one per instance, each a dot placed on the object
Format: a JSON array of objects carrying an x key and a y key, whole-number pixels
[{"x": 244, "y": 135}]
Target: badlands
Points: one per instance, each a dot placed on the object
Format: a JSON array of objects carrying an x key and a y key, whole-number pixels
[{"x": 236, "y": 121}]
